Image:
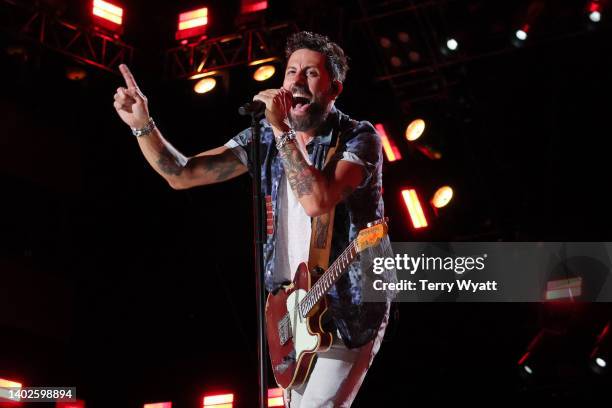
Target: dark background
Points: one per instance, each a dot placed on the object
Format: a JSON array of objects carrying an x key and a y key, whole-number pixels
[{"x": 112, "y": 282}]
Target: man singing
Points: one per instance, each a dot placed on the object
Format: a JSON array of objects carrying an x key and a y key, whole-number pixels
[{"x": 301, "y": 123}]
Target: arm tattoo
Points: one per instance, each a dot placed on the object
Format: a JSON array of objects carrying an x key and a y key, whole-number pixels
[
  {"x": 299, "y": 173},
  {"x": 220, "y": 167},
  {"x": 168, "y": 163},
  {"x": 215, "y": 167}
]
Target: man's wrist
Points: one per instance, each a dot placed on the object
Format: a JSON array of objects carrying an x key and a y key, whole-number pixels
[
  {"x": 285, "y": 138},
  {"x": 145, "y": 130},
  {"x": 280, "y": 129}
]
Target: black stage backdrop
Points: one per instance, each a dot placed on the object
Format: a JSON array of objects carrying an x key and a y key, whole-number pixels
[{"x": 132, "y": 292}]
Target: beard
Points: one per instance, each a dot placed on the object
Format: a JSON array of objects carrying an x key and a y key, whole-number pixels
[{"x": 314, "y": 116}]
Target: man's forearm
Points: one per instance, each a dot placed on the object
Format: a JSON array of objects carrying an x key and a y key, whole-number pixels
[
  {"x": 162, "y": 156},
  {"x": 308, "y": 183},
  {"x": 213, "y": 166},
  {"x": 318, "y": 191}
]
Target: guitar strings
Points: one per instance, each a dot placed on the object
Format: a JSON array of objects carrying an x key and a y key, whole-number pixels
[{"x": 333, "y": 266}]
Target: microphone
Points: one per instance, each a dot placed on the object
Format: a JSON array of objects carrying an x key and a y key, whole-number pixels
[{"x": 252, "y": 108}]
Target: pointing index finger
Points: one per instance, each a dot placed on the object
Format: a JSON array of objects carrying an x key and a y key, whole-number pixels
[{"x": 127, "y": 76}]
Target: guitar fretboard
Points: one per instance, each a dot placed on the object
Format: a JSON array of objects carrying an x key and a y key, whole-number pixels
[{"x": 325, "y": 282}]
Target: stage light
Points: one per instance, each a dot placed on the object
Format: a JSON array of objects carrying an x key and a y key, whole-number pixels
[
  {"x": 76, "y": 73},
  {"x": 414, "y": 56},
  {"x": 544, "y": 356},
  {"x": 6, "y": 386},
  {"x": 275, "y": 397},
  {"x": 452, "y": 44},
  {"x": 403, "y": 37},
  {"x": 600, "y": 355},
  {"x": 385, "y": 42},
  {"x": 205, "y": 85},
  {"x": 442, "y": 197},
  {"x": 4, "y": 383},
  {"x": 252, "y": 14},
  {"x": 253, "y": 6},
  {"x": 522, "y": 33},
  {"x": 264, "y": 72},
  {"x": 534, "y": 10},
  {"x": 415, "y": 129},
  {"x": 415, "y": 210},
  {"x": 108, "y": 15},
  {"x": 449, "y": 47},
  {"x": 520, "y": 36},
  {"x": 219, "y": 401},
  {"x": 564, "y": 289},
  {"x": 594, "y": 10},
  {"x": 525, "y": 370},
  {"x": 192, "y": 19},
  {"x": 108, "y": 11},
  {"x": 396, "y": 62},
  {"x": 192, "y": 23},
  {"x": 158, "y": 405},
  {"x": 388, "y": 145}
]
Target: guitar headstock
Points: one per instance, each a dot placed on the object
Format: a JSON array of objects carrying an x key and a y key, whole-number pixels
[{"x": 371, "y": 236}]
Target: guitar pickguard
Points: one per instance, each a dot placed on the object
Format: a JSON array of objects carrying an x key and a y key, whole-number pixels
[{"x": 303, "y": 340}]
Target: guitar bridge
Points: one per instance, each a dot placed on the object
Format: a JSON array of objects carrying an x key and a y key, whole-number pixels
[{"x": 284, "y": 330}]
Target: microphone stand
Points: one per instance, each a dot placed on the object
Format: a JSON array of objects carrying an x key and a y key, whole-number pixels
[{"x": 258, "y": 239}]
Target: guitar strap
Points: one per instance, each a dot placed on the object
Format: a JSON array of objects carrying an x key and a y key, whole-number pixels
[{"x": 322, "y": 228}]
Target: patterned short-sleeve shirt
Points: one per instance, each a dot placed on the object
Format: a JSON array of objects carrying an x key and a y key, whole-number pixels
[{"x": 357, "y": 321}]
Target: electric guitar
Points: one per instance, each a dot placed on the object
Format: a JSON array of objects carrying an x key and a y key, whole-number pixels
[{"x": 294, "y": 314}]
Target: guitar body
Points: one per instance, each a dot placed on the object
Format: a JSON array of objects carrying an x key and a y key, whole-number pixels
[{"x": 293, "y": 340}]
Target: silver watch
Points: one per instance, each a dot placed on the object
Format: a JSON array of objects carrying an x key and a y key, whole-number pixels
[{"x": 144, "y": 130}]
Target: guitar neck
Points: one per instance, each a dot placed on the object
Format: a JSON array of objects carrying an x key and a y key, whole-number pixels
[{"x": 325, "y": 282}]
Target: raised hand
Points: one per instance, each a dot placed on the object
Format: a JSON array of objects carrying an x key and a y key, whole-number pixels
[
  {"x": 130, "y": 103},
  {"x": 278, "y": 104}
]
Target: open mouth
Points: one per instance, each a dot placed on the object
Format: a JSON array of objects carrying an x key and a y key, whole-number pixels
[{"x": 300, "y": 102}]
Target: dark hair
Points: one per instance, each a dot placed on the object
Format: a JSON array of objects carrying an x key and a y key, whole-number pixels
[{"x": 335, "y": 60}]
